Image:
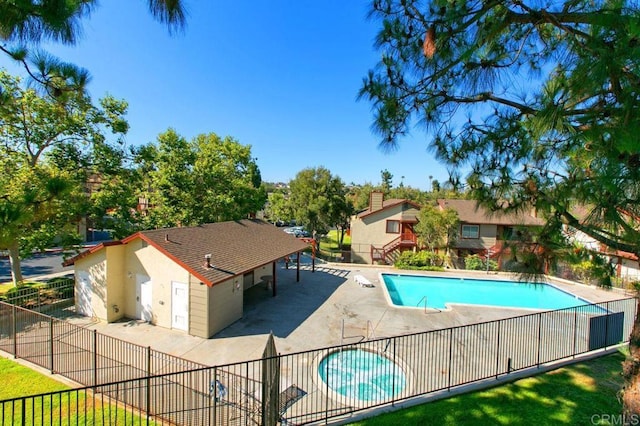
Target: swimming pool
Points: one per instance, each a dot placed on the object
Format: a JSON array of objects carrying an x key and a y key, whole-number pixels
[
  {"x": 437, "y": 292},
  {"x": 362, "y": 375}
]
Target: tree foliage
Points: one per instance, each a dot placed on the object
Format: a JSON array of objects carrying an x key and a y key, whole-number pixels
[
  {"x": 360, "y": 194},
  {"x": 318, "y": 200},
  {"x": 536, "y": 102},
  {"x": 564, "y": 136},
  {"x": 48, "y": 149},
  {"x": 410, "y": 193},
  {"x": 207, "y": 179},
  {"x": 386, "y": 181},
  {"x": 437, "y": 228},
  {"x": 278, "y": 207}
]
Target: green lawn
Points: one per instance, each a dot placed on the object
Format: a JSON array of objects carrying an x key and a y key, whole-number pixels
[
  {"x": 574, "y": 395},
  {"x": 18, "y": 381},
  {"x": 329, "y": 243},
  {"x": 66, "y": 408}
]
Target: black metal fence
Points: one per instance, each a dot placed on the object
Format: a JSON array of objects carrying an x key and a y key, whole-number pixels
[
  {"x": 320, "y": 385},
  {"x": 83, "y": 355},
  {"x": 52, "y": 297}
]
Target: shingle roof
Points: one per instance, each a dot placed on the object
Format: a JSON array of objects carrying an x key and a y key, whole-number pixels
[
  {"x": 386, "y": 204},
  {"x": 236, "y": 247},
  {"x": 470, "y": 212}
]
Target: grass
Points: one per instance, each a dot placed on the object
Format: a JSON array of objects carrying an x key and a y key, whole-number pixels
[
  {"x": 63, "y": 408},
  {"x": 329, "y": 243},
  {"x": 579, "y": 394},
  {"x": 5, "y": 287},
  {"x": 18, "y": 380}
]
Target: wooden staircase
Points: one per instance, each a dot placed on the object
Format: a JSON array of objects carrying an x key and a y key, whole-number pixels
[{"x": 385, "y": 253}]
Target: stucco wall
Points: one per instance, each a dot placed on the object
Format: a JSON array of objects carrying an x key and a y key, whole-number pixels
[
  {"x": 225, "y": 304},
  {"x": 260, "y": 274},
  {"x": 630, "y": 270},
  {"x": 113, "y": 271},
  {"x": 372, "y": 230},
  {"x": 487, "y": 238},
  {"x": 115, "y": 286},
  {"x": 95, "y": 266},
  {"x": 147, "y": 260}
]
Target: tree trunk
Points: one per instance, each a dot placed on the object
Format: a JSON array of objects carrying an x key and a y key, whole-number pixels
[
  {"x": 14, "y": 260},
  {"x": 631, "y": 371}
]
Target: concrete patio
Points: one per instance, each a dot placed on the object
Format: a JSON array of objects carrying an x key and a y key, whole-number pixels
[{"x": 327, "y": 307}]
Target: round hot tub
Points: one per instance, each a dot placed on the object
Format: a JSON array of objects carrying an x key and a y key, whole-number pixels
[{"x": 362, "y": 375}]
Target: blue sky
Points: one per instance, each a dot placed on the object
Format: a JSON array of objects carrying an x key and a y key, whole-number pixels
[{"x": 279, "y": 75}]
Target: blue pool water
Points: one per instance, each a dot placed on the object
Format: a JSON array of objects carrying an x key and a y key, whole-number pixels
[
  {"x": 362, "y": 375},
  {"x": 410, "y": 291}
]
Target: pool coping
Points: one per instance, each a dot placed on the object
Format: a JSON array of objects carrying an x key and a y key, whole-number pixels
[
  {"x": 324, "y": 387},
  {"x": 449, "y": 306}
]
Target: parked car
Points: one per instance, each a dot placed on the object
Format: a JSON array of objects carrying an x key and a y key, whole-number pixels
[
  {"x": 297, "y": 231},
  {"x": 291, "y": 231}
]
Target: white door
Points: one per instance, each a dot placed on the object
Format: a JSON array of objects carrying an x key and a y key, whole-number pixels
[
  {"x": 83, "y": 294},
  {"x": 179, "y": 306},
  {"x": 144, "y": 298}
]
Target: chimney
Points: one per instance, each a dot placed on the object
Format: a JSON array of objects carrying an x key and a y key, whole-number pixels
[
  {"x": 375, "y": 201},
  {"x": 207, "y": 261}
]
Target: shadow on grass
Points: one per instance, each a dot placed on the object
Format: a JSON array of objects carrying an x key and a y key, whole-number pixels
[{"x": 580, "y": 394}]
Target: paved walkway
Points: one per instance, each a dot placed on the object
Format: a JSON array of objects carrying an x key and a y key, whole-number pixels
[{"x": 327, "y": 307}]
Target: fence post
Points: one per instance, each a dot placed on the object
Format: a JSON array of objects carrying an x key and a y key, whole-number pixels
[
  {"x": 326, "y": 393},
  {"x": 575, "y": 330},
  {"x": 606, "y": 327},
  {"x": 393, "y": 376},
  {"x": 213, "y": 389},
  {"x": 498, "y": 351},
  {"x": 539, "y": 339},
  {"x": 51, "y": 345},
  {"x": 148, "y": 384},
  {"x": 14, "y": 330},
  {"x": 24, "y": 411},
  {"x": 95, "y": 358},
  {"x": 450, "y": 357}
]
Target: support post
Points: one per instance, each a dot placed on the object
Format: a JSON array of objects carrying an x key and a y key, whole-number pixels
[
  {"x": 95, "y": 358},
  {"x": 539, "y": 339},
  {"x": 51, "y": 345},
  {"x": 14, "y": 330},
  {"x": 313, "y": 255},
  {"x": 273, "y": 279},
  {"x": 148, "y": 383}
]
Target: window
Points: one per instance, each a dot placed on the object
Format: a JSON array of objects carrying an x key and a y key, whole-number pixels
[
  {"x": 393, "y": 227},
  {"x": 470, "y": 231},
  {"x": 508, "y": 233}
]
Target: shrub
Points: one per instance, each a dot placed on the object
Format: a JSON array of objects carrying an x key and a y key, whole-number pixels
[
  {"x": 21, "y": 296},
  {"x": 475, "y": 262},
  {"x": 60, "y": 287},
  {"x": 422, "y": 260}
]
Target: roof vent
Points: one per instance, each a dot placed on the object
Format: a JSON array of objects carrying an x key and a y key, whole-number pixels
[
  {"x": 207, "y": 260},
  {"x": 166, "y": 238}
]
